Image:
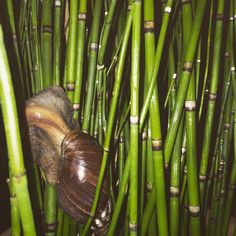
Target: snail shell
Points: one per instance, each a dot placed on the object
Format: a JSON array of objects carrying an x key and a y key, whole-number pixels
[
  {"x": 69, "y": 158},
  {"x": 82, "y": 157}
]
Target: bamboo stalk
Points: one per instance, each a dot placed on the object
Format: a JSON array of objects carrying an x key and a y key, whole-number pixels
[
  {"x": 212, "y": 98},
  {"x": 16, "y": 163}
]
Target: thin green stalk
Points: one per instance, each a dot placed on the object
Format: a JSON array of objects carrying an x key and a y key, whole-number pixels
[
  {"x": 111, "y": 117},
  {"x": 46, "y": 45},
  {"x": 50, "y": 210},
  {"x": 158, "y": 159},
  {"x": 81, "y": 36},
  {"x": 71, "y": 49},
  {"x": 66, "y": 225},
  {"x": 191, "y": 135},
  {"x": 184, "y": 79},
  {"x": 60, "y": 215},
  {"x": 157, "y": 61},
  {"x": 93, "y": 48},
  {"x": 134, "y": 117},
  {"x": 57, "y": 47},
  {"x": 209, "y": 39},
  {"x": 15, "y": 216},
  {"x": 212, "y": 98},
  {"x": 16, "y": 162},
  {"x": 225, "y": 159},
  {"x": 175, "y": 185},
  {"x": 15, "y": 44}
]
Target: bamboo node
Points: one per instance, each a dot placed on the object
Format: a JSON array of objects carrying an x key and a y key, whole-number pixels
[
  {"x": 190, "y": 105},
  {"x": 219, "y": 17},
  {"x": 94, "y": 47},
  {"x": 188, "y": 66},
  {"x": 105, "y": 13},
  {"x": 133, "y": 227},
  {"x": 70, "y": 86},
  {"x": 194, "y": 210},
  {"x": 149, "y": 26},
  {"x": 50, "y": 227},
  {"x": 144, "y": 135},
  {"x": 57, "y": 3},
  {"x": 76, "y": 106},
  {"x": 129, "y": 7},
  {"x": 234, "y": 16},
  {"x": 100, "y": 67},
  {"x": 134, "y": 120},
  {"x": 47, "y": 29},
  {"x": 121, "y": 139},
  {"x": 198, "y": 60},
  {"x": 185, "y": 2},
  {"x": 17, "y": 176},
  {"x": 157, "y": 144},
  {"x": 227, "y": 54},
  {"x": 106, "y": 149},
  {"x": 174, "y": 191},
  {"x": 202, "y": 178},
  {"x": 232, "y": 69},
  {"x": 167, "y": 10},
  {"x": 14, "y": 37},
  {"x": 183, "y": 150},
  {"x": 174, "y": 76},
  {"x": 231, "y": 18},
  {"x": 222, "y": 192},
  {"x": 149, "y": 187},
  {"x": 212, "y": 97},
  {"x": 226, "y": 126},
  {"x": 185, "y": 170},
  {"x": 82, "y": 16}
]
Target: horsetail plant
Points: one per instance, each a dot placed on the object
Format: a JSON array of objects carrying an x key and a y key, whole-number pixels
[{"x": 137, "y": 75}]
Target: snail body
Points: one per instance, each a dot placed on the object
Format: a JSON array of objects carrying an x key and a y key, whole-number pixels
[{"x": 69, "y": 158}]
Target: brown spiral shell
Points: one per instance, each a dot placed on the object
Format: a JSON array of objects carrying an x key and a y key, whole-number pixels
[
  {"x": 82, "y": 157},
  {"x": 69, "y": 158}
]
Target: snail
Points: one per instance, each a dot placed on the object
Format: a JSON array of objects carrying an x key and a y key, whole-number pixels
[{"x": 68, "y": 158}]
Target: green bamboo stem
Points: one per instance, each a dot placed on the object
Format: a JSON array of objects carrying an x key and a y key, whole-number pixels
[
  {"x": 212, "y": 98},
  {"x": 36, "y": 47},
  {"x": 15, "y": 216},
  {"x": 71, "y": 49},
  {"x": 148, "y": 212},
  {"x": 81, "y": 36},
  {"x": 134, "y": 117},
  {"x": 211, "y": 228},
  {"x": 50, "y": 210},
  {"x": 184, "y": 215},
  {"x": 207, "y": 60},
  {"x": 143, "y": 172},
  {"x": 184, "y": 79},
  {"x": 16, "y": 162},
  {"x": 66, "y": 225},
  {"x": 93, "y": 48},
  {"x": 57, "y": 37},
  {"x": 158, "y": 159},
  {"x": 157, "y": 61},
  {"x": 111, "y": 117},
  {"x": 105, "y": 32},
  {"x": 120, "y": 197},
  {"x": 46, "y": 45},
  {"x": 190, "y": 118},
  {"x": 224, "y": 158},
  {"x": 16, "y": 49},
  {"x": 60, "y": 216},
  {"x": 175, "y": 185}
]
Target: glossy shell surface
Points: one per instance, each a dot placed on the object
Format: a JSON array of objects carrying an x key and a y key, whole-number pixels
[{"x": 82, "y": 157}]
